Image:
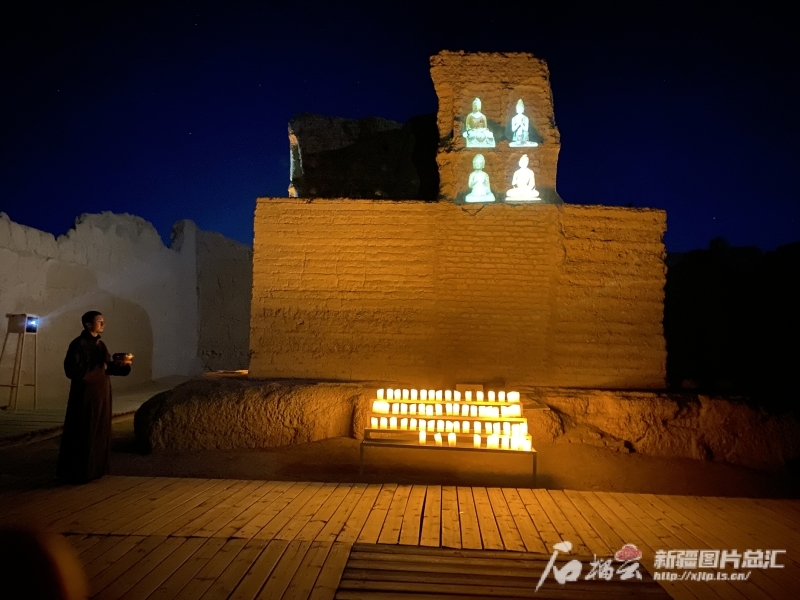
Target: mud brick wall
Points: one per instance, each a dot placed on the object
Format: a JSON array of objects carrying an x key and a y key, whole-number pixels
[
  {"x": 430, "y": 294},
  {"x": 499, "y": 80}
]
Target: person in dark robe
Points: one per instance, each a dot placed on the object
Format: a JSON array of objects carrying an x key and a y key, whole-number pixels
[{"x": 86, "y": 441}]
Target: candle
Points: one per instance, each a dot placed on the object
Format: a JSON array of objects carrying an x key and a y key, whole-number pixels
[
  {"x": 422, "y": 437},
  {"x": 448, "y": 408},
  {"x": 448, "y": 395},
  {"x": 404, "y": 423},
  {"x": 491, "y": 396},
  {"x": 380, "y": 394},
  {"x": 380, "y": 407},
  {"x": 523, "y": 428},
  {"x": 451, "y": 439},
  {"x": 414, "y": 394},
  {"x": 505, "y": 442},
  {"x": 515, "y": 430},
  {"x": 504, "y": 411},
  {"x": 429, "y": 410},
  {"x": 481, "y": 411},
  {"x": 457, "y": 396},
  {"x": 527, "y": 446},
  {"x": 497, "y": 427},
  {"x": 389, "y": 393},
  {"x": 440, "y": 425},
  {"x": 501, "y": 396},
  {"x": 473, "y": 411},
  {"x": 431, "y": 394},
  {"x": 395, "y": 407},
  {"x": 513, "y": 396},
  {"x": 437, "y": 437},
  {"x": 476, "y": 440},
  {"x": 457, "y": 426},
  {"x": 412, "y": 424},
  {"x": 464, "y": 410},
  {"x": 423, "y": 424},
  {"x": 438, "y": 394},
  {"x": 392, "y": 422},
  {"x": 412, "y": 409},
  {"x": 492, "y": 441},
  {"x": 374, "y": 422},
  {"x": 495, "y": 412},
  {"x": 423, "y": 394},
  {"x": 468, "y": 395},
  {"x": 477, "y": 426},
  {"x": 465, "y": 426},
  {"x": 439, "y": 410},
  {"x": 448, "y": 426},
  {"x": 384, "y": 423},
  {"x": 405, "y": 395},
  {"x": 403, "y": 408},
  {"x": 506, "y": 428},
  {"x": 479, "y": 395}
]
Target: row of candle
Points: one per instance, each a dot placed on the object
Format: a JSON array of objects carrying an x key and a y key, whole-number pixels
[
  {"x": 495, "y": 441},
  {"x": 405, "y": 424},
  {"x": 491, "y": 396},
  {"x": 382, "y": 407}
]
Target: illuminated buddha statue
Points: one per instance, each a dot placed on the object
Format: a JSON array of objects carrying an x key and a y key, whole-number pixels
[
  {"x": 479, "y": 182},
  {"x": 522, "y": 183},
  {"x": 520, "y": 125},
  {"x": 477, "y": 133}
]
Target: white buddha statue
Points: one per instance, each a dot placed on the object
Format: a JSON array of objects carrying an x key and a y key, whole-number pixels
[
  {"x": 479, "y": 182},
  {"x": 520, "y": 125},
  {"x": 476, "y": 130},
  {"x": 522, "y": 184}
]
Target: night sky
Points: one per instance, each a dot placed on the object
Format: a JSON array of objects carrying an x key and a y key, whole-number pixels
[{"x": 179, "y": 109}]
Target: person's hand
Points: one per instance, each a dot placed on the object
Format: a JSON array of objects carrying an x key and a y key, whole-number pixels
[{"x": 123, "y": 360}]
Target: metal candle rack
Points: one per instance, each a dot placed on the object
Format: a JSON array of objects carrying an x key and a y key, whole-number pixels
[{"x": 488, "y": 425}]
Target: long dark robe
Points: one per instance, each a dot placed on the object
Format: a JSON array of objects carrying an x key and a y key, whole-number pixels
[{"x": 86, "y": 441}]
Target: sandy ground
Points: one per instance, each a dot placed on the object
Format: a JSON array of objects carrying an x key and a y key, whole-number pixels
[{"x": 563, "y": 466}]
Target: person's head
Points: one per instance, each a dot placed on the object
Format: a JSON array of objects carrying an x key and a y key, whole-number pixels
[
  {"x": 476, "y": 105},
  {"x": 523, "y": 162},
  {"x": 520, "y": 107},
  {"x": 93, "y": 322},
  {"x": 478, "y": 162}
]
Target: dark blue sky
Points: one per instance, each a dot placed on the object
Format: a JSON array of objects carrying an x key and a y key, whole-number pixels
[{"x": 179, "y": 110}]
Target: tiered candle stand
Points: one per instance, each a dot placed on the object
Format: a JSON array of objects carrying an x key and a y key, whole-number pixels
[{"x": 460, "y": 446}]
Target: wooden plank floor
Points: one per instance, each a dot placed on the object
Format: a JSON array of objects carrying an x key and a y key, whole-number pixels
[
  {"x": 375, "y": 570},
  {"x": 169, "y": 538}
]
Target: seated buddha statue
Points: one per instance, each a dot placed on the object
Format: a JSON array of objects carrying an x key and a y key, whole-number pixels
[
  {"x": 476, "y": 131},
  {"x": 522, "y": 183},
  {"x": 520, "y": 128},
  {"x": 479, "y": 182}
]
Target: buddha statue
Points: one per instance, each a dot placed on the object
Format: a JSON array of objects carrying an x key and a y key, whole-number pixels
[
  {"x": 520, "y": 124},
  {"x": 476, "y": 131},
  {"x": 522, "y": 183},
  {"x": 479, "y": 182}
]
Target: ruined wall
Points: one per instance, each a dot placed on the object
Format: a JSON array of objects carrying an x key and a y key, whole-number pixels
[
  {"x": 434, "y": 293},
  {"x": 224, "y": 285},
  {"x": 116, "y": 264},
  {"x": 499, "y": 80}
]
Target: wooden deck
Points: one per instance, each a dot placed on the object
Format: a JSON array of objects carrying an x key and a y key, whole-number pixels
[{"x": 166, "y": 538}]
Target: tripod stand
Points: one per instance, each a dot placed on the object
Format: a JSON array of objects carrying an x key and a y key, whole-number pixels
[{"x": 22, "y": 326}]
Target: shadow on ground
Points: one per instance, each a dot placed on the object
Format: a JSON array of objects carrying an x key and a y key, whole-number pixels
[{"x": 563, "y": 466}]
